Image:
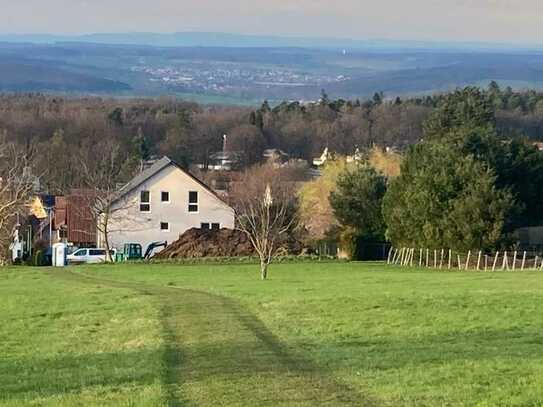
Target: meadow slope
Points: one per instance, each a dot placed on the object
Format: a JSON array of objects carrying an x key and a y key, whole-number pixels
[{"x": 314, "y": 334}]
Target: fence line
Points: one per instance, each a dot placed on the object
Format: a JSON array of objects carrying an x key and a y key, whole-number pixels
[{"x": 472, "y": 260}]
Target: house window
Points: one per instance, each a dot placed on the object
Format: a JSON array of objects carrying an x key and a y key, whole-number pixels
[
  {"x": 204, "y": 226},
  {"x": 165, "y": 196},
  {"x": 145, "y": 201},
  {"x": 164, "y": 226},
  {"x": 193, "y": 201},
  {"x": 215, "y": 226}
]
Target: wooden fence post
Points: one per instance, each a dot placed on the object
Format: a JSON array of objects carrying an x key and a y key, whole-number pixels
[
  {"x": 467, "y": 260},
  {"x": 441, "y": 260},
  {"x": 523, "y": 261},
  {"x": 514, "y": 260},
  {"x": 412, "y": 255},
  {"x": 435, "y": 258},
  {"x": 504, "y": 263},
  {"x": 459, "y": 262},
  {"x": 420, "y": 258},
  {"x": 389, "y": 254},
  {"x": 495, "y": 261},
  {"x": 479, "y": 260},
  {"x": 486, "y": 262},
  {"x": 427, "y": 254},
  {"x": 450, "y": 256}
]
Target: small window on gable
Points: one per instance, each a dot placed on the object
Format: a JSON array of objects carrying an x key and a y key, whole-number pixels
[
  {"x": 145, "y": 201},
  {"x": 164, "y": 226},
  {"x": 204, "y": 226},
  {"x": 193, "y": 201},
  {"x": 215, "y": 226},
  {"x": 165, "y": 196}
]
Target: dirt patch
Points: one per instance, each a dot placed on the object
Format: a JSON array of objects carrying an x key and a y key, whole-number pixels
[{"x": 209, "y": 243}]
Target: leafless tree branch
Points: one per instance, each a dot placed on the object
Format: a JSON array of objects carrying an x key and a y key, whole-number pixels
[{"x": 263, "y": 201}]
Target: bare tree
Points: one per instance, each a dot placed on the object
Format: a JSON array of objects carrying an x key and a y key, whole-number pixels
[
  {"x": 16, "y": 185},
  {"x": 103, "y": 203},
  {"x": 264, "y": 201}
]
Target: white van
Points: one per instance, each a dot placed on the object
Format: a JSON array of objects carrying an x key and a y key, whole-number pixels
[{"x": 89, "y": 256}]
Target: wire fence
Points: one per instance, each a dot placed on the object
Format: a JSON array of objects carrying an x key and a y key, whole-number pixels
[{"x": 446, "y": 259}]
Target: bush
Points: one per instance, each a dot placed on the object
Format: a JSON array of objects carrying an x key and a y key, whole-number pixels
[{"x": 38, "y": 259}]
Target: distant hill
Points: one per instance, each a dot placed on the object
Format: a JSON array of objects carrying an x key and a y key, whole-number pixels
[
  {"x": 216, "y": 39},
  {"x": 32, "y": 76}
]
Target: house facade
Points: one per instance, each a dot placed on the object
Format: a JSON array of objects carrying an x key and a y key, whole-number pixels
[{"x": 162, "y": 203}]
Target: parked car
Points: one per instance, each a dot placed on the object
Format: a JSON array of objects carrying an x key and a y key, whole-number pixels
[{"x": 89, "y": 256}]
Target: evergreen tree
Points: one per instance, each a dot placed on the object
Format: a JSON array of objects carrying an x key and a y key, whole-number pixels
[
  {"x": 115, "y": 117},
  {"x": 142, "y": 146},
  {"x": 325, "y": 100},
  {"x": 357, "y": 202},
  {"x": 463, "y": 174},
  {"x": 378, "y": 98},
  {"x": 445, "y": 200}
]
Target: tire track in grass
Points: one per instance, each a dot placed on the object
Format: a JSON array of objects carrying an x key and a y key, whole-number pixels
[
  {"x": 218, "y": 353},
  {"x": 172, "y": 355}
]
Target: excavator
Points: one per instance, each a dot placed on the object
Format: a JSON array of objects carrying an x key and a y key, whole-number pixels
[{"x": 133, "y": 251}]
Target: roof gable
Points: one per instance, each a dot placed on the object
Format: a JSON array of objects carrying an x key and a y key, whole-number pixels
[{"x": 157, "y": 168}]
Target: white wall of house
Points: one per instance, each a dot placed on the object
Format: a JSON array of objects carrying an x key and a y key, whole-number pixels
[{"x": 165, "y": 220}]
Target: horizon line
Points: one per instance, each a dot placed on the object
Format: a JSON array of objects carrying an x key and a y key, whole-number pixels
[{"x": 360, "y": 41}]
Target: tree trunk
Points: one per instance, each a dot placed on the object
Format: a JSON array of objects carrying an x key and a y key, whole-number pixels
[
  {"x": 106, "y": 239},
  {"x": 106, "y": 242},
  {"x": 264, "y": 269}
]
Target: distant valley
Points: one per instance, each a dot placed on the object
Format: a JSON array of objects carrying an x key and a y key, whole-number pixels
[{"x": 241, "y": 73}]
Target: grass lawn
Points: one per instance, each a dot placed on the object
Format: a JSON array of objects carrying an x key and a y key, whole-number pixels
[{"x": 313, "y": 335}]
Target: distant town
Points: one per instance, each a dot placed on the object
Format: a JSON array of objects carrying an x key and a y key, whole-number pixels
[{"x": 223, "y": 78}]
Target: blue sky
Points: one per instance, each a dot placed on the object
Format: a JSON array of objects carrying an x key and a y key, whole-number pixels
[{"x": 457, "y": 20}]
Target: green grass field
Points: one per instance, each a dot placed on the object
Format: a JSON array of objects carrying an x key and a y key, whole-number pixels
[{"x": 313, "y": 335}]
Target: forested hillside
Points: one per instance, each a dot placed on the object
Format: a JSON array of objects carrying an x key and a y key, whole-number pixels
[{"x": 61, "y": 132}]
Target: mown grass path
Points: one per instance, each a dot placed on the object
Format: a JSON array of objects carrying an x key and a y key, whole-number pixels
[{"x": 216, "y": 352}]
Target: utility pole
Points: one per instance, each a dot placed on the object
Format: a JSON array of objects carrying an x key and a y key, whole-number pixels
[{"x": 49, "y": 213}]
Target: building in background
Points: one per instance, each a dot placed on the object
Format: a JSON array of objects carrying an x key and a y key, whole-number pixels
[
  {"x": 160, "y": 204},
  {"x": 73, "y": 221}
]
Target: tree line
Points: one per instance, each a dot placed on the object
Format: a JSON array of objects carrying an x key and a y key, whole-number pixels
[
  {"x": 461, "y": 180},
  {"x": 63, "y": 131},
  {"x": 465, "y": 186}
]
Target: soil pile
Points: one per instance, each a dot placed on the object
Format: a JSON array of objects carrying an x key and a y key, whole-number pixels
[{"x": 208, "y": 243}]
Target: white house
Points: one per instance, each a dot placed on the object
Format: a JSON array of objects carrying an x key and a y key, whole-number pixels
[{"x": 161, "y": 203}]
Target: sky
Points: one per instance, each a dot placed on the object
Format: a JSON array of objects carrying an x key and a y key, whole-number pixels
[{"x": 511, "y": 21}]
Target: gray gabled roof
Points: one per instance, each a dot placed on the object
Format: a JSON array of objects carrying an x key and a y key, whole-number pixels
[
  {"x": 146, "y": 174},
  {"x": 154, "y": 169}
]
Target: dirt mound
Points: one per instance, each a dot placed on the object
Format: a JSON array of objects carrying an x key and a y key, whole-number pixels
[{"x": 209, "y": 243}]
